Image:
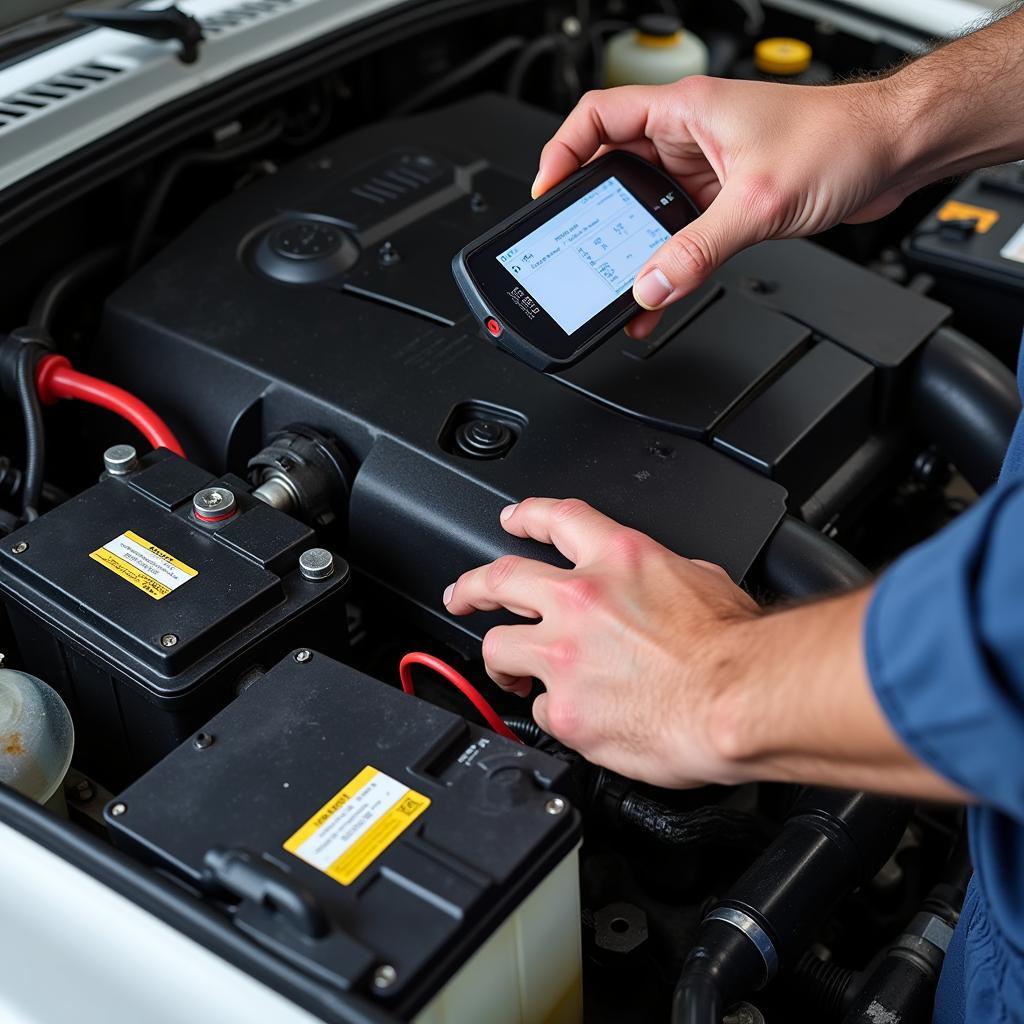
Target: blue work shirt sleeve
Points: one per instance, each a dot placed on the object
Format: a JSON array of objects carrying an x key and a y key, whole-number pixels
[{"x": 944, "y": 639}]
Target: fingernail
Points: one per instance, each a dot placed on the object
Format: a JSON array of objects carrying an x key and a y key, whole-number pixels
[
  {"x": 448, "y": 591},
  {"x": 652, "y": 289},
  {"x": 506, "y": 512},
  {"x": 533, "y": 187}
]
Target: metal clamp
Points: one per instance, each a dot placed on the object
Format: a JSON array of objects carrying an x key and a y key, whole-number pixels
[{"x": 753, "y": 931}]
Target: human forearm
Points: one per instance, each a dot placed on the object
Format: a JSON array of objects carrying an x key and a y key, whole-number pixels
[
  {"x": 802, "y": 708},
  {"x": 957, "y": 107}
]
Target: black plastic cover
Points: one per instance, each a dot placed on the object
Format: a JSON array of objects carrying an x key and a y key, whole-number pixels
[
  {"x": 382, "y": 355},
  {"x": 818, "y": 411},
  {"x": 283, "y": 750}
]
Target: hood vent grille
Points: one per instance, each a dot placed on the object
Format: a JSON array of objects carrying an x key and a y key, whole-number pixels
[
  {"x": 54, "y": 90},
  {"x": 241, "y": 14}
]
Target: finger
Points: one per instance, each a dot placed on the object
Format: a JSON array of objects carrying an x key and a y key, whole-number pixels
[
  {"x": 643, "y": 148},
  {"x": 580, "y": 532},
  {"x": 510, "y": 657},
  {"x": 642, "y": 325},
  {"x": 517, "y": 584},
  {"x": 602, "y": 117},
  {"x": 734, "y": 220}
]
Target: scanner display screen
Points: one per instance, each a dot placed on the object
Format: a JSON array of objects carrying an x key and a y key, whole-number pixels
[{"x": 587, "y": 255}]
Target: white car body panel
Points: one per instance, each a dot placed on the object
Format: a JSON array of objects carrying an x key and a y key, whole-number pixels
[{"x": 71, "y": 949}]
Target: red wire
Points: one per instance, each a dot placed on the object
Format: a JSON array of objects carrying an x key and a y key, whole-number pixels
[
  {"x": 57, "y": 379},
  {"x": 460, "y": 682}
]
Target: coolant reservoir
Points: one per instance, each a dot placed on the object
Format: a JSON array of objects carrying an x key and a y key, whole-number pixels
[
  {"x": 656, "y": 52},
  {"x": 36, "y": 738}
]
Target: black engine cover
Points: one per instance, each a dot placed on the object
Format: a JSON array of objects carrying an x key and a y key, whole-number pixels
[{"x": 323, "y": 295}]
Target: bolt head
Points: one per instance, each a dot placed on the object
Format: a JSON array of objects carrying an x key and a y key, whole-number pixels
[
  {"x": 316, "y": 564},
  {"x": 212, "y": 504},
  {"x": 82, "y": 791},
  {"x": 168, "y": 640},
  {"x": 384, "y": 977},
  {"x": 556, "y": 805},
  {"x": 120, "y": 459},
  {"x": 20, "y": 548},
  {"x": 202, "y": 740},
  {"x": 303, "y": 656},
  {"x": 118, "y": 809}
]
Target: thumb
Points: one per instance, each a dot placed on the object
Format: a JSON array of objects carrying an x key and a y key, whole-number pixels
[{"x": 691, "y": 255}]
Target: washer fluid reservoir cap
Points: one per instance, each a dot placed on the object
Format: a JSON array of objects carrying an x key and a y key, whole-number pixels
[
  {"x": 37, "y": 736},
  {"x": 782, "y": 56},
  {"x": 658, "y": 30}
]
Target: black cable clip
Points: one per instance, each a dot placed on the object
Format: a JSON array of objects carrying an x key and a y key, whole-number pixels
[
  {"x": 167, "y": 23},
  {"x": 267, "y": 888}
]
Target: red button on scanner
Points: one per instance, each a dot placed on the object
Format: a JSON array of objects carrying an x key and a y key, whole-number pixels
[{"x": 493, "y": 327}]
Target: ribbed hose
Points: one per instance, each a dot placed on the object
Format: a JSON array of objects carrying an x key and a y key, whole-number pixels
[
  {"x": 35, "y": 438},
  {"x": 702, "y": 826},
  {"x": 823, "y": 986},
  {"x": 527, "y": 730}
]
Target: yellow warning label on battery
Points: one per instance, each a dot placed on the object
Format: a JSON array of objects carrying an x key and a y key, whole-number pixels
[
  {"x": 985, "y": 217},
  {"x": 357, "y": 825},
  {"x": 143, "y": 565}
]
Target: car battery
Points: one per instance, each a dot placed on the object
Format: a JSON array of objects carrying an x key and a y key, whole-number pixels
[
  {"x": 149, "y": 598},
  {"x": 972, "y": 244},
  {"x": 389, "y": 848}
]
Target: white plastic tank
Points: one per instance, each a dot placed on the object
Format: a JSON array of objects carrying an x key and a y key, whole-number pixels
[
  {"x": 657, "y": 51},
  {"x": 37, "y": 738}
]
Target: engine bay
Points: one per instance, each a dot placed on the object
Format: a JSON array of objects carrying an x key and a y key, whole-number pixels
[{"x": 231, "y": 615}]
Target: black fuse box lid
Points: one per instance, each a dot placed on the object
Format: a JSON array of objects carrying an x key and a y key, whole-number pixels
[
  {"x": 289, "y": 758},
  {"x": 223, "y": 586}
]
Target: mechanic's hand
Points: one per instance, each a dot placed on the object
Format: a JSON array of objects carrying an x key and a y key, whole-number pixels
[
  {"x": 631, "y": 644},
  {"x": 763, "y": 160}
]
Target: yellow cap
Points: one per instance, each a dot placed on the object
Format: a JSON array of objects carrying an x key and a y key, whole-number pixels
[
  {"x": 658, "y": 30},
  {"x": 644, "y": 39},
  {"x": 781, "y": 56}
]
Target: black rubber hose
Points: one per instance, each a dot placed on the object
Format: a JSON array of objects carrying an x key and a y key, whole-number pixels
[
  {"x": 832, "y": 842},
  {"x": 53, "y": 293},
  {"x": 966, "y": 402},
  {"x": 799, "y": 561},
  {"x": 35, "y": 437},
  {"x": 463, "y": 73},
  {"x": 241, "y": 146},
  {"x": 554, "y": 43},
  {"x": 696, "y": 1001},
  {"x": 755, "y": 16}
]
